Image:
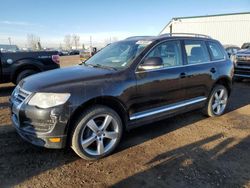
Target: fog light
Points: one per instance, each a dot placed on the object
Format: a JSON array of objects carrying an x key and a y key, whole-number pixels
[{"x": 55, "y": 140}]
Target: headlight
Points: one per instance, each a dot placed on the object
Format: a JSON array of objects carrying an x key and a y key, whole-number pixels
[
  {"x": 47, "y": 100},
  {"x": 234, "y": 58}
]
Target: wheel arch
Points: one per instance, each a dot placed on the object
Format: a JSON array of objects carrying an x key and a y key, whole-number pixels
[
  {"x": 225, "y": 81},
  {"x": 108, "y": 101},
  {"x": 25, "y": 65}
]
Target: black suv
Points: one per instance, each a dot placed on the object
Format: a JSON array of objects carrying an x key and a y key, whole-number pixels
[{"x": 128, "y": 83}]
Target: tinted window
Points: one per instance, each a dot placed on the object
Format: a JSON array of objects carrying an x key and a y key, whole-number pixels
[
  {"x": 170, "y": 52},
  {"x": 216, "y": 51},
  {"x": 196, "y": 52}
]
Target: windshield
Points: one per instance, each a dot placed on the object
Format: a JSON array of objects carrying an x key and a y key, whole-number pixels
[
  {"x": 246, "y": 46},
  {"x": 118, "y": 55}
]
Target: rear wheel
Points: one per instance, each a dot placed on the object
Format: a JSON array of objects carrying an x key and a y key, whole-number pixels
[
  {"x": 97, "y": 133},
  {"x": 217, "y": 101},
  {"x": 24, "y": 74}
]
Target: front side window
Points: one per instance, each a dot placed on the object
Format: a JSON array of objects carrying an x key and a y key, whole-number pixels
[
  {"x": 216, "y": 52},
  {"x": 196, "y": 52},
  {"x": 169, "y": 53}
]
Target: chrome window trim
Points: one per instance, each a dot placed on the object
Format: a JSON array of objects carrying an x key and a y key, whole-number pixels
[
  {"x": 166, "y": 108},
  {"x": 187, "y": 65}
]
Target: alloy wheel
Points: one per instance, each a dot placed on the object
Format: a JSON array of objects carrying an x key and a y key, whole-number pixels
[
  {"x": 219, "y": 101},
  {"x": 99, "y": 135}
]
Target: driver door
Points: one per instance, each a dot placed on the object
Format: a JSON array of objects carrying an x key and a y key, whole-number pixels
[{"x": 163, "y": 86}]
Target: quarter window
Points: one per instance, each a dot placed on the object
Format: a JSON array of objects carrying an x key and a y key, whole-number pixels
[
  {"x": 216, "y": 52},
  {"x": 169, "y": 52},
  {"x": 196, "y": 52}
]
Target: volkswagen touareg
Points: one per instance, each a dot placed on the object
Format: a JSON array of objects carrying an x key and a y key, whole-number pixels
[{"x": 129, "y": 83}]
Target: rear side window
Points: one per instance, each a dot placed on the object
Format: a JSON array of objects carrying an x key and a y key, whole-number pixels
[
  {"x": 196, "y": 52},
  {"x": 216, "y": 51}
]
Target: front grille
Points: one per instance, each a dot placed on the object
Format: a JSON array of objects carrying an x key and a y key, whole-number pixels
[
  {"x": 243, "y": 64},
  {"x": 19, "y": 95},
  {"x": 36, "y": 125}
]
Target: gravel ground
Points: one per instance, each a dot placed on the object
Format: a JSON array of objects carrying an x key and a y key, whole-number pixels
[{"x": 189, "y": 150}]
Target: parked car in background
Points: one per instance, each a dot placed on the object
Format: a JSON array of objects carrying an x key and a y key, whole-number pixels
[
  {"x": 127, "y": 84},
  {"x": 246, "y": 45},
  {"x": 63, "y": 52},
  {"x": 231, "y": 49},
  {"x": 242, "y": 63},
  {"x": 8, "y": 48},
  {"x": 14, "y": 66},
  {"x": 74, "y": 52}
]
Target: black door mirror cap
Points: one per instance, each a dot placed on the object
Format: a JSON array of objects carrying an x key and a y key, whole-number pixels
[{"x": 152, "y": 63}]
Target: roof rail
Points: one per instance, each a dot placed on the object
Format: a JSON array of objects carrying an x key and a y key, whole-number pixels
[
  {"x": 135, "y": 37},
  {"x": 185, "y": 34}
]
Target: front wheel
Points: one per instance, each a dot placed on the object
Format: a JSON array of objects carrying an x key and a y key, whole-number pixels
[
  {"x": 97, "y": 133},
  {"x": 24, "y": 74},
  {"x": 217, "y": 101}
]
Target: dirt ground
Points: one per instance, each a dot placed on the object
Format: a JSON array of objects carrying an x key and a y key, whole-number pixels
[{"x": 189, "y": 150}]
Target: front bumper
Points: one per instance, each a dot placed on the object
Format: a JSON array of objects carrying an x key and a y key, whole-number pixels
[
  {"x": 41, "y": 127},
  {"x": 37, "y": 139},
  {"x": 242, "y": 70}
]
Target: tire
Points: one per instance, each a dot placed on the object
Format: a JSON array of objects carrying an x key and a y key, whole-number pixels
[
  {"x": 24, "y": 74},
  {"x": 216, "y": 98},
  {"x": 90, "y": 133}
]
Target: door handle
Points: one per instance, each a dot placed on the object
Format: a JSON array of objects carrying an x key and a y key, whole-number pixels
[
  {"x": 183, "y": 75},
  {"x": 213, "y": 70}
]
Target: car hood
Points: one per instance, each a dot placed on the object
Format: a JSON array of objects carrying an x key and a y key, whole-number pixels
[
  {"x": 244, "y": 52},
  {"x": 49, "y": 80}
]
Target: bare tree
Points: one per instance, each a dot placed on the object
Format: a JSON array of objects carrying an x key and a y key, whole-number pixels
[
  {"x": 76, "y": 40},
  {"x": 107, "y": 41},
  {"x": 110, "y": 40},
  {"x": 83, "y": 46},
  {"x": 67, "y": 41},
  {"x": 33, "y": 41}
]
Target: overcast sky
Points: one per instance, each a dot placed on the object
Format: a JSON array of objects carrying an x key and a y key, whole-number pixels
[{"x": 51, "y": 20}]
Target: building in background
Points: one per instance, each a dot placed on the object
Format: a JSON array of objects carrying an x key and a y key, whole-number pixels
[{"x": 227, "y": 28}]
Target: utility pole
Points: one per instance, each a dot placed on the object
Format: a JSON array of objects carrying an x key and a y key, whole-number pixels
[
  {"x": 9, "y": 40},
  {"x": 90, "y": 46}
]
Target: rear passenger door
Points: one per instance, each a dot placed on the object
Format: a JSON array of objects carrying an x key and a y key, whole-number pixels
[{"x": 200, "y": 70}]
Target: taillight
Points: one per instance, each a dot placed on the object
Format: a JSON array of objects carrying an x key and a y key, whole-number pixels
[{"x": 56, "y": 59}]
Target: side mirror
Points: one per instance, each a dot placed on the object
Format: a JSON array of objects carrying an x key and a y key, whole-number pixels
[{"x": 151, "y": 63}]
